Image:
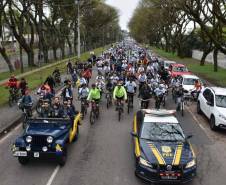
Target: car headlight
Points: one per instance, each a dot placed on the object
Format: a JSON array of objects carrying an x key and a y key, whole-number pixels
[
  {"x": 145, "y": 163},
  {"x": 222, "y": 116},
  {"x": 28, "y": 139},
  {"x": 191, "y": 164},
  {"x": 49, "y": 139}
]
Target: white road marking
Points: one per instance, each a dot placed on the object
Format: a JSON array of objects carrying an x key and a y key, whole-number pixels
[
  {"x": 52, "y": 177},
  {"x": 199, "y": 124}
]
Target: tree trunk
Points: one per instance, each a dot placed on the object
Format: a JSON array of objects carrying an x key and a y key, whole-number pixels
[
  {"x": 215, "y": 54},
  {"x": 62, "y": 48},
  {"x": 21, "y": 61},
  {"x": 203, "y": 59},
  {"x": 30, "y": 57},
  {"x": 70, "y": 46},
  {"x": 55, "y": 53},
  {"x": 45, "y": 54},
  {"x": 6, "y": 58}
]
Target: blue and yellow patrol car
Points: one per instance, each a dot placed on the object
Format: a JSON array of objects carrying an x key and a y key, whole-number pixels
[
  {"x": 162, "y": 151},
  {"x": 46, "y": 138}
]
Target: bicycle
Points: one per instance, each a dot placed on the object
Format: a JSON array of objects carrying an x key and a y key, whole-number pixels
[
  {"x": 13, "y": 96},
  {"x": 119, "y": 108},
  {"x": 130, "y": 102},
  {"x": 27, "y": 112},
  {"x": 144, "y": 103},
  {"x": 109, "y": 99},
  {"x": 83, "y": 107},
  {"x": 181, "y": 101},
  {"x": 159, "y": 101},
  {"x": 94, "y": 114}
]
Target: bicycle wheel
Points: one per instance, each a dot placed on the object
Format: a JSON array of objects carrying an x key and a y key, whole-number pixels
[
  {"x": 128, "y": 106},
  {"x": 182, "y": 108},
  {"x": 83, "y": 111},
  {"x": 10, "y": 101},
  {"x": 92, "y": 118},
  {"x": 119, "y": 114},
  {"x": 108, "y": 103}
]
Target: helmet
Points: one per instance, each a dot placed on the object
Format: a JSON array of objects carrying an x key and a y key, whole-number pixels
[{"x": 93, "y": 85}]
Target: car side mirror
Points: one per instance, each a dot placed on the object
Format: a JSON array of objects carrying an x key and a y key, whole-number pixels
[
  {"x": 189, "y": 136},
  {"x": 134, "y": 134}
]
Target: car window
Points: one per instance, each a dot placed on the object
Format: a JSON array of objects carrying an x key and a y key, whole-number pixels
[
  {"x": 189, "y": 81},
  {"x": 206, "y": 94}
]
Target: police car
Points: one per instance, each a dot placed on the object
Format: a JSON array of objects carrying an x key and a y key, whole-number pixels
[{"x": 162, "y": 151}]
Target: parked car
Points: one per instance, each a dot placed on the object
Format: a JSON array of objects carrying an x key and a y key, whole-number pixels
[
  {"x": 178, "y": 70},
  {"x": 212, "y": 103}
]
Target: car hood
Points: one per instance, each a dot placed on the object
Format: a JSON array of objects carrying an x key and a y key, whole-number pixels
[
  {"x": 188, "y": 87},
  {"x": 54, "y": 131},
  {"x": 166, "y": 153},
  {"x": 222, "y": 110}
]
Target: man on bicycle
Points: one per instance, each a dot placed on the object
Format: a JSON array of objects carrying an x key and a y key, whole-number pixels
[
  {"x": 179, "y": 96},
  {"x": 131, "y": 88},
  {"x": 26, "y": 102},
  {"x": 120, "y": 93},
  {"x": 94, "y": 94}
]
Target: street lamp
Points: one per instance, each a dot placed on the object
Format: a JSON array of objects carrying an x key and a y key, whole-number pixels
[{"x": 78, "y": 28}]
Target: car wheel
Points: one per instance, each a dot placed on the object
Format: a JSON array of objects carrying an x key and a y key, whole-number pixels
[
  {"x": 23, "y": 160},
  {"x": 62, "y": 159},
  {"x": 199, "y": 111},
  {"x": 212, "y": 123}
]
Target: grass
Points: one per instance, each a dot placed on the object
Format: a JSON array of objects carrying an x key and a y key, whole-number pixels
[
  {"x": 206, "y": 72},
  {"x": 37, "y": 78}
]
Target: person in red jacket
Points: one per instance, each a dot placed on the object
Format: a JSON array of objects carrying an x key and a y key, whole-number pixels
[{"x": 87, "y": 74}]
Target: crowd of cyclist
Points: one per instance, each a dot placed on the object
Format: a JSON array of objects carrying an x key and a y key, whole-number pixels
[{"x": 123, "y": 71}]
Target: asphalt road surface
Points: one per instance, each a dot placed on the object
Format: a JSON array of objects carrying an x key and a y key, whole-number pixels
[{"x": 103, "y": 154}]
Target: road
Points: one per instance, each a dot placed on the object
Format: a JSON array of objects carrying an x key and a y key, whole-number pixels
[{"x": 103, "y": 154}]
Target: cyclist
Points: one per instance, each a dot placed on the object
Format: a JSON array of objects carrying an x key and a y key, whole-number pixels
[
  {"x": 67, "y": 93},
  {"x": 26, "y": 102},
  {"x": 131, "y": 87},
  {"x": 197, "y": 89},
  {"x": 94, "y": 94},
  {"x": 142, "y": 79},
  {"x": 145, "y": 94},
  {"x": 23, "y": 86},
  {"x": 120, "y": 93}
]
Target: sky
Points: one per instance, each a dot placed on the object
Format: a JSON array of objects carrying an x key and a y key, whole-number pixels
[{"x": 126, "y": 8}]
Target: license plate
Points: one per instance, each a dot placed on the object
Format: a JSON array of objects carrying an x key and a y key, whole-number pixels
[
  {"x": 20, "y": 154},
  {"x": 36, "y": 154},
  {"x": 169, "y": 177}
]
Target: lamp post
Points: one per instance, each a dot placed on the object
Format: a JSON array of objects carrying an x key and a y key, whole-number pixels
[{"x": 78, "y": 28}]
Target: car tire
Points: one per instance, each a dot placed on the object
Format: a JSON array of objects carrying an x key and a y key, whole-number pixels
[
  {"x": 212, "y": 123},
  {"x": 62, "y": 159},
  {"x": 199, "y": 111},
  {"x": 23, "y": 160}
]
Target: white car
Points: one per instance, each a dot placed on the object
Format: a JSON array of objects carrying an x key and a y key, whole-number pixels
[
  {"x": 167, "y": 63},
  {"x": 188, "y": 82},
  {"x": 212, "y": 103}
]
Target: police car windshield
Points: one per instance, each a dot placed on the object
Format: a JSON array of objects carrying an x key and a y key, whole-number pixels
[{"x": 162, "y": 132}]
